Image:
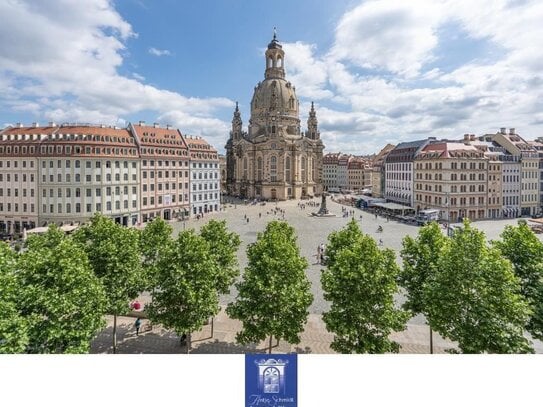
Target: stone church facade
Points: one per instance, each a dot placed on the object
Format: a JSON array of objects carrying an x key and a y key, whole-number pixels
[{"x": 274, "y": 159}]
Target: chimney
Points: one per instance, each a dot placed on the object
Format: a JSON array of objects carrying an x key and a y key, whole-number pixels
[
  {"x": 512, "y": 131},
  {"x": 142, "y": 122},
  {"x": 52, "y": 124},
  {"x": 168, "y": 126},
  {"x": 472, "y": 137},
  {"x": 502, "y": 130},
  {"x": 155, "y": 125},
  {"x": 35, "y": 124},
  {"x": 466, "y": 137},
  {"x": 19, "y": 125}
]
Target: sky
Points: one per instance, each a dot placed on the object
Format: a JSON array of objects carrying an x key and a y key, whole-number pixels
[{"x": 378, "y": 71}]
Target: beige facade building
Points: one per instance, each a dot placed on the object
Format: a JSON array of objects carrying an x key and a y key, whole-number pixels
[
  {"x": 164, "y": 172},
  {"x": 451, "y": 177},
  {"x": 64, "y": 174},
  {"x": 274, "y": 159},
  {"x": 529, "y": 168},
  {"x": 359, "y": 173}
]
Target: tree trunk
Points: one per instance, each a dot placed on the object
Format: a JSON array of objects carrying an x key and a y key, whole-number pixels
[
  {"x": 431, "y": 341},
  {"x": 188, "y": 342},
  {"x": 212, "y": 327},
  {"x": 114, "y": 333},
  {"x": 270, "y": 345}
]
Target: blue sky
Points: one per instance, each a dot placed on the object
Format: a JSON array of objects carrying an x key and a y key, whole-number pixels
[{"x": 379, "y": 71}]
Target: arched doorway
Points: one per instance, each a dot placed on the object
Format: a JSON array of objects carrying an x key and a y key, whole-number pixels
[{"x": 273, "y": 193}]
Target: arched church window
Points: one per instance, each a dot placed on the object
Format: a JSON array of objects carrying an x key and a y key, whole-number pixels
[
  {"x": 245, "y": 168},
  {"x": 287, "y": 168},
  {"x": 273, "y": 168},
  {"x": 259, "y": 168},
  {"x": 273, "y": 129},
  {"x": 304, "y": 166}
]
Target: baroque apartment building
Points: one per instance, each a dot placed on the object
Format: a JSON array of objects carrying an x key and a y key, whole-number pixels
[
  {"x": 330, "y": 170},
  {"x": 378, "y": 172},
  {"x": 164, "y": 171},
  {"x": 399, "y": 179},
  {"x": 452, "y": 177},
  {"x": 65, "y": 173},
  {"x": 529, "y": 160},
  {"x": 205, "y": 182},
  {"x": 359, "y": 174}
]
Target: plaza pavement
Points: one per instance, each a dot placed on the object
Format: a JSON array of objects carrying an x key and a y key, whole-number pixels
[{"x": 311, "y": 232}]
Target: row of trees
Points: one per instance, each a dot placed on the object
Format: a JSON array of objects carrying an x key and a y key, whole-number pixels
[
  {"x": 55, "y": 293},
  {"x": 484, "y": 296}
]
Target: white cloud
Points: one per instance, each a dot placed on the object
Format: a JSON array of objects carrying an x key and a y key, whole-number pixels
[
  {"x": 70, "y": 53},
  {"x": 394, "y": 35},
  {"x": 382, "y": 77},
  {"x": 159, "y": 52},
  {"x": 303, "y": 68}
]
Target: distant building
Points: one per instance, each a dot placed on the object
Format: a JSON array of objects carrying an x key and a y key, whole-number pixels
[
  {"x": 399, "y": 171},
  {"x": 222, "y": 168},
  {"x": 330, "y": 170},
  {"x": 378, "y": 172}
]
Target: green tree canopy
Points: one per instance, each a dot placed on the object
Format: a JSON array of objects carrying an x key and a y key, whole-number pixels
[
  {"x": 114, "y": 255},
  {"x": 155, "y": 240},
  {"x": 274, "y": 294},
  {"x": 474, "y": 298},
  {"x": 13, "y": 326},
  {"x": 421, "y": 258},
  {"x": 62, "y": 299},
  {"x": 525, "y": 251},
  {"x": 185, "y": 296},
  {"x": 360, "y": 283},
  {"x": 223, "y": 246}
]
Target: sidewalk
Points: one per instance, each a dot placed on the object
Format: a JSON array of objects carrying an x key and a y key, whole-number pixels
[{"x": 315, "y": 339}]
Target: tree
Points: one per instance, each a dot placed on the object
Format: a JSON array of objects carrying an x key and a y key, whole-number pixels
[
  {"x": 13, "y": 326},
  {"x": 223, "y": 249},
  {"x": 525, "y": 251},
  {"x": 155, "y": 239},
  {"x": 360, "y": 283},
  {"x": 62, "y": 300},
  {"x": 474, "y": 298},
  {"x": 185, "y": 296},
  {"x": 223, "y": 246},
  {"x": 274, "y": 294},
  {"x": 420, "y": 262},
  {"x": 114, "y": 255}
]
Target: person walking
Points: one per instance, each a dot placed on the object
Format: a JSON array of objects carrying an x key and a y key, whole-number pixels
[{"x": 137, "y": 324}]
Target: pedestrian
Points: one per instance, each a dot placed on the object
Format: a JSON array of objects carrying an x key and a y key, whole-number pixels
[
  {"x": 137, "y": 324},
  {"x": 380, "y": 242},
  {"x": 247, "y": 220},
  {"x": 319, "y": 254}
]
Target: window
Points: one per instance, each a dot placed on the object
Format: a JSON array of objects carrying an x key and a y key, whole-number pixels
[{"x": 273, "y": 168}]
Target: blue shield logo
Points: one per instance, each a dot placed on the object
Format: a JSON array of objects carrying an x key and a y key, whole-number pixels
[{"x": 271, "y": 380}]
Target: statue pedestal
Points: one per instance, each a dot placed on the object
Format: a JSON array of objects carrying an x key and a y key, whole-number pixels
[{"x": 323, "y": 212}]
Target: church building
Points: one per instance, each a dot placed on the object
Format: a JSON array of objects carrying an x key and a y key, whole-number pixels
[{"x": 274, "y": 159}]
